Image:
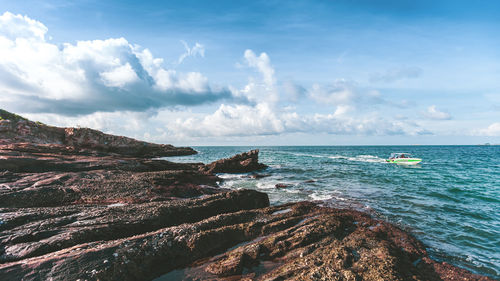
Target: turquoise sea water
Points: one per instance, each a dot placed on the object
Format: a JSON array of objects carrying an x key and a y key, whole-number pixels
[{"x": 451, "y": 201}]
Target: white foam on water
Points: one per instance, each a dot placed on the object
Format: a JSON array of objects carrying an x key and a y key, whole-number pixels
[
  {"x": 319, "y": 196},
  {"x": 337, "y": 157},
  {"x": 227, "y": 184},
  {"x": 229, "y": 176},
  {"x": 266, "y": 185},
  {"x": 307, "y": 155},
  {"x": 359, "y": 158},
  {"x": 366, "y": 158}
]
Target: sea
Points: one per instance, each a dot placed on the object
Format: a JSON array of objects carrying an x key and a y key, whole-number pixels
[{"x": 450, "y": 201}]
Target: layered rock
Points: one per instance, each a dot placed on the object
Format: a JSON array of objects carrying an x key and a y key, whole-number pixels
[
  {"x": 16, "y": 130},
  {"x": 80, "y": 204},
  {"x": 241, "y": 163},
  {"x": 298, "y": 241}
]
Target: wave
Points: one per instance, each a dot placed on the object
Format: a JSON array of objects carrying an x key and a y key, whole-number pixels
[
  {"x": 229, "y": 176},
  {"x": 367, "y": 158},
  {"x": 358, "y": 158},
  {"x": 319, "y": 196}
]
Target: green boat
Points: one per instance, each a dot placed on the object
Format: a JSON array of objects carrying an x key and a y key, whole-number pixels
[{"x": 403, "y": 158}]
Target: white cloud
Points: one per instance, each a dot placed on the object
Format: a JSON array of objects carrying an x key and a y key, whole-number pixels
[
  {"x": 18, "y": 26},
  {"x": 492, "y": 130},
  {"x": 118, "y": 87},
  {"x": 120, "y": 76},
  {"x": 89, "y": 76},
  {"x": 197, "y": 49},
  {"x": 433, "y": 113},
  {"x": 263, "y": 64},
  {"x": 238, "y": 120},
  {"x": 267, "y": 117},
  {"x": 244, "y": 120}
]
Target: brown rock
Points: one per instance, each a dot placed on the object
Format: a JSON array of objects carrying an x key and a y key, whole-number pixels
[
  {"x": 16, "y": 129},
  {"x": 241, "y": 163}
]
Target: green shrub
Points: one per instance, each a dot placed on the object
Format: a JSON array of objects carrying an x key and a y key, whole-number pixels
[{"x": 10, "y": 116}]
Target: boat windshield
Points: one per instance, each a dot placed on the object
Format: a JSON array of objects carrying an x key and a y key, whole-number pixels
[{"x": 400, "y": 155}]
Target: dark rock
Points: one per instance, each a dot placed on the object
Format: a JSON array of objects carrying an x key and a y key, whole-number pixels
[
  {"x": 282, "y": 185},
  {"x": 241, "y": 163}
]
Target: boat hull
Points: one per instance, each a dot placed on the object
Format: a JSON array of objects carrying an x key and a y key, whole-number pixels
[{"x": 405, "y": 161}]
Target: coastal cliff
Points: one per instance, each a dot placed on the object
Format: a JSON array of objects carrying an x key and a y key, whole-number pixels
[
  {"x": 26, "y": 135},
  {"x": 80, "y": 204}
]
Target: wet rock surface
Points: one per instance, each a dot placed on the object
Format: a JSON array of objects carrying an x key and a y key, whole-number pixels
[{"x": 80, "y": 205}]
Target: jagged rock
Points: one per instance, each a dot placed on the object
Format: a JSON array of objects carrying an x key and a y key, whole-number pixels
[{"x": 241, "y": 163}]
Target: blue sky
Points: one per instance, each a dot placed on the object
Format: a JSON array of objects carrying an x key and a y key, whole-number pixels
[{"x": 258, "y": 73}]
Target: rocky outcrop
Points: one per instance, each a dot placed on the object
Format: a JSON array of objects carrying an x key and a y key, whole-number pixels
[
  {"x": 298, "y": 241},
  {"x": 85, "y": 205},
  {"x": 38, "y": 231},
  {"x": 241, "y": 163},
  {"x": 15, "y": 129}
]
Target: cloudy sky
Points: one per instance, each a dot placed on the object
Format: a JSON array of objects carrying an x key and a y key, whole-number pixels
[{"x": 257, "y": 72}]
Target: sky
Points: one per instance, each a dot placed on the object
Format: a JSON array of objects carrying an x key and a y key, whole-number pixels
[{"x": 345, "y": 72}]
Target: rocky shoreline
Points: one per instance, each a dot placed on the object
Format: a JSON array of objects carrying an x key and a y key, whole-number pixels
[{"x": 80, "y": 204}]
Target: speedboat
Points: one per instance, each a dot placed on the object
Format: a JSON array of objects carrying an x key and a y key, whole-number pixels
[{"x": 403, "y": 158}]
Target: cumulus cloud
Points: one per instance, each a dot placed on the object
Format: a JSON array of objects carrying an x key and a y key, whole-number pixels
[
  {"x": 262, "y": 89},
  {"x": 245, "y": 120},
  {"x": 197, "y": 49},
  {"x": 396, "y": 74},
  {"x": 435, "y": 114},
  {"x": 266, "y": 117},
  {"x": 492, "y": 130},
  {"x": 263, "y": 64},
  {"x": 90, "y": 76},
  {"x": 119, "y": 87}
]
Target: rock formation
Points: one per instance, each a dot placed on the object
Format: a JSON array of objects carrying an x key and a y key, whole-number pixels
[
  {"x": 241, "y": 163},
  {"x": 16, "y": 130},
  {"x": 80, "y": 204}
]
